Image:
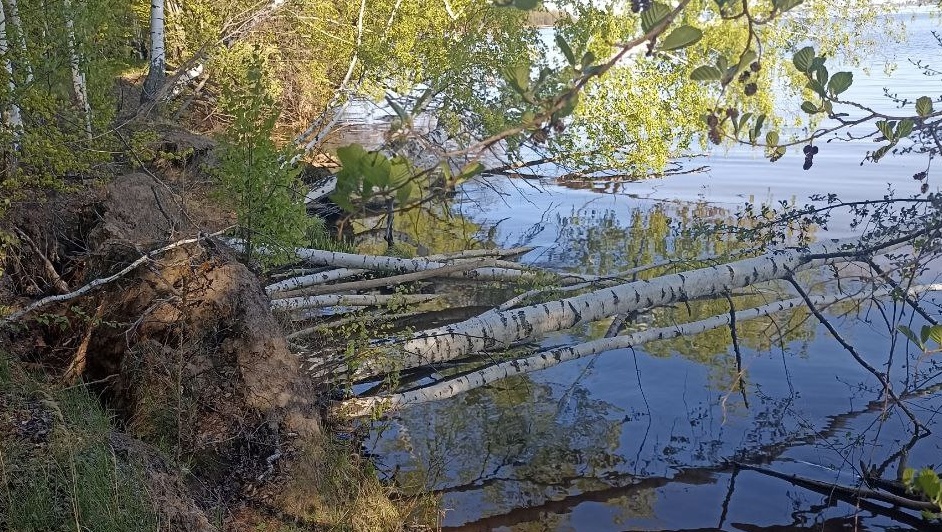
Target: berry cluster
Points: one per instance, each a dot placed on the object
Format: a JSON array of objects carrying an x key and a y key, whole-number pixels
[
  {"x": 924, "y": 177},
  {"x": 810, "y": 152},
  {"x": 637, "y": 6},
  {"x": 750, "y": 86}
]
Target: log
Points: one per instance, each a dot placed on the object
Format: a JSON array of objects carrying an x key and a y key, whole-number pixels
[
  {"x": 296, "y": 283},
  {"x": 349, "y": 300},
  {"x": 364, "y": 406},
  {"x": 496, "y": 329}
]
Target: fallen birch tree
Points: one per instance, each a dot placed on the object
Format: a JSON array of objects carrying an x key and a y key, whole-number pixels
[
  {"x": 499, "y": 329},
  {"x": 365, "y": 406}
]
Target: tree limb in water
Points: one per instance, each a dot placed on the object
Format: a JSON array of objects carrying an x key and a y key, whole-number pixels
[
  {"x": 496, "y": 330},
  {"x": 301, "y": 281},
  {"x": 364, "y": 406},
  {"x": 461, "y": 267},
  {"x": 348, "y": 300}
]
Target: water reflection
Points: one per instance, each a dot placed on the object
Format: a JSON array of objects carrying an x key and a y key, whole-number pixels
[{"x": 647, "y": 439}]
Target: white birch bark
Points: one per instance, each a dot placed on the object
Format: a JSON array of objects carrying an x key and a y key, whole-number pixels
[
  {"x": 20, "y": 37},
  {"x": 14, "y": 119},
  {"x": 497, "y": 329},
  {"x": 158, "y": 53},
  {"x": 79, "y": 87},
  {"x": 348, "y": 300},
  {"x": 303, "y": 281},
  {"x": 364, "y": 406},
  {"x": 394, "y": 264}
]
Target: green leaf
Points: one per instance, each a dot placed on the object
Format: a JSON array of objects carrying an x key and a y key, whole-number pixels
[
  {"x": 398, "y": 109},
  {"x": 803, "y": 58},
  {"x": 588, "y": 59},
  {"x": 908, "y": 333},
  {"x": 904, "y": 128},
  {"x": 886, "y": 128},
  {"x": 722, "y": 63},
  {"x": 526, "y": 5},
  {"x": 935, "y": 334},
  {"x": 924, "y": 106},
  {"x": 809, "y": 107},
  {"x": 748, "y": 57},
  {"x": 757, "y": 129},
  {"x": 924, "y": 334},
  {"x": 785, "y": 5},
  {"x": 743, "y": 120},
  {"x": 567, "y": 51},
  {"x": 840, "y": 82},
  {"x": 816, "y": 86},
  {"x": 771, "y": 138},
  {"x": 681, "y": 37},
  {"x": 706, "y": 73},
  {"x": 881, "y": 151},
  {"x": 652, "y": 16}
]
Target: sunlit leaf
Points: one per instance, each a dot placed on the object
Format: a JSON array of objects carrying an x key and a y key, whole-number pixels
[
  {"x": 809, "y": 107},
  {"x": 803, "y": 58},
  {"x": 924, "y": 106},
  {"x": 935, "y": 334},
  {"x": 706, "y": 73},
  {"x": 840, "y": 82},
  {"x": 653, "y": 15},
  {"x": 886, "y": 128},
  {"x": 681, "y": 37},
  {"x": 771, "y": 138},
  {"x": 904, "y": 128}
]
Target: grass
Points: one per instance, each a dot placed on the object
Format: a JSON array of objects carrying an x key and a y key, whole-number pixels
[
  {"x": 59, "y": 472},
  {"x": 332, "y": 487}
]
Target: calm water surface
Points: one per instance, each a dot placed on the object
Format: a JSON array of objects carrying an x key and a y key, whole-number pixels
[{"x": 647, "y": 439}]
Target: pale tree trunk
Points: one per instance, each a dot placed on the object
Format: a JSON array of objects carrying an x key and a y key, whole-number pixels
[
  {"x": 365, "y": 406},
  {"x": 496, "y": 330},
  {"x": 79, "y": 86},
  {"x": 398, "y": 265},
  {"x": 20, "y": 37},
  {"x": 13, "y": 119},
  {"x": 158, "y": 53}
]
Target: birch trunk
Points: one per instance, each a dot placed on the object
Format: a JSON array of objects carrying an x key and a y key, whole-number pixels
[
  {"x": 303, "y": 281},
  {"x": 14, "y": 119},
  {"x": 495, "y": 329},
  {"x": 350, "y": 300},
  {"x": 394, "y": 264},
  {"x": 158, "y": 53},
  {"x": 79, "y": 87},
  {"x": 364, "y": 406},
  {"x": 20, "y": 37}
]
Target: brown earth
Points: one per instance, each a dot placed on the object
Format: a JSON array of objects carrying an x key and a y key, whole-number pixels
[{"x": 184, "y": 349}]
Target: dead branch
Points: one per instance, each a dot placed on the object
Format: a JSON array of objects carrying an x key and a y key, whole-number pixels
[{"x": 16, "y": 316}]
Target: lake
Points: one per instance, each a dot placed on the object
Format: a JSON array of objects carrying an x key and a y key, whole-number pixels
[{"x": 649, "y": 439}]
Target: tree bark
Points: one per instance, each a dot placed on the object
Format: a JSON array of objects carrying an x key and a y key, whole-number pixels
[
  {"x": 364, "y": 406},
  {"x": 13, "y": 119},
  {"x": 349, "y": 300},
  {"x": 158, "y": 54},
  {"x": 79, "y": 87},
  {"x": 496, "y": 329}
]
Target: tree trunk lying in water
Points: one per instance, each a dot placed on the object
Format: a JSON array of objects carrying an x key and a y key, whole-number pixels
[{"x": 502, "y": 327}]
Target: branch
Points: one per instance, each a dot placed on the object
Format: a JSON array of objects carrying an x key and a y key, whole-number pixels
[
  {"x": 105, "y": 280},
  {"x": 364, "y": 406},
  {"x": 853, "y": 352}
]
